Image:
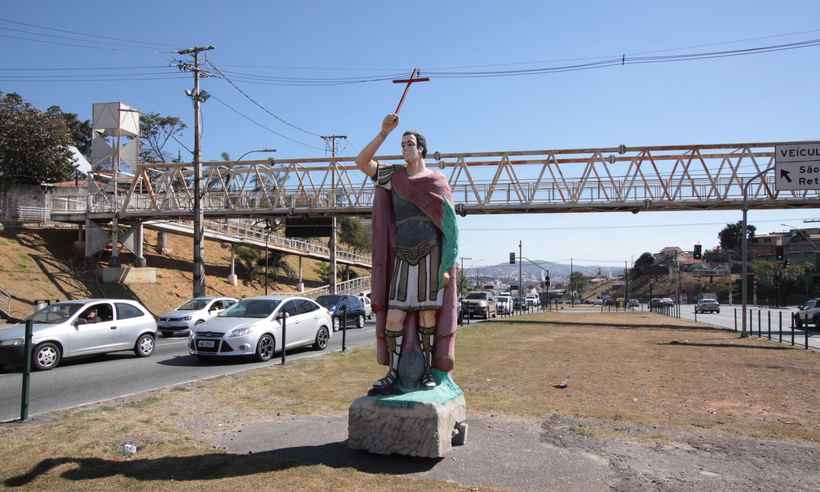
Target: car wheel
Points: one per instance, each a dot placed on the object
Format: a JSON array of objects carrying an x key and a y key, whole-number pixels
[
  {"x": 199, "y": 322},
  {"x": 322, "y": 337},
  {"x": 265, "y": 347},
  {"x": 46, "y": 356},
  {"x": 360, "y": 321},
  {"x": 337, "y": 324},
  {"x": 144, "y": 346},
  {"x": 165, "y": 334}
]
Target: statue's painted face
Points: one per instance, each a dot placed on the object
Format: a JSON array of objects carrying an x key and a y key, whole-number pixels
[{"x": 409, "y": 148}]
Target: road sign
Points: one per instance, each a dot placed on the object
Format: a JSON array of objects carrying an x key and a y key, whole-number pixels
[{"x": 797, "y": 166}]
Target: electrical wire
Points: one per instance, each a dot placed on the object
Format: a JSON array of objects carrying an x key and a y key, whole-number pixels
[
  {"x": 93, "y": 37},
  {"x": 260, "y": 125},
  {"x": 260, "y": 106},
  {"x": 65, "y": 69},
  {"x": 55, "y": 43}
]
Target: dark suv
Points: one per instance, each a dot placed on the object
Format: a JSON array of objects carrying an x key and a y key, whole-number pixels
[{"x": 349, "y": 306}]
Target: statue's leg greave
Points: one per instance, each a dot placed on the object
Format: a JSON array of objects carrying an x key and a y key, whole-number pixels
[
  {"x": 393, "y": 340},
  {"x": 426, "y": 339}
]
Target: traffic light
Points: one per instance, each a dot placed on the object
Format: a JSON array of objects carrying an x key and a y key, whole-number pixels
[
  {"x": 512, "y": 258},
  {"x": 546, "y": 283},
  {"x": 778, "y": 251},
  {"x": 697, "y": 253}
]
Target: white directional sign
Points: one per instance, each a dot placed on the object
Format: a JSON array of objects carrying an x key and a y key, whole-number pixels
[{"x": 797, "y": 166}]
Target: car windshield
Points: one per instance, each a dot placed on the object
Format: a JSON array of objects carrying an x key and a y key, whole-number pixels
[
  {"x": 55, "y": 313},
  {"x": 251, "y": 308},
  {"x": 193, "y": 305},
  {"x": 328, "y": 301},
  {"x": 477, "y": 295}
]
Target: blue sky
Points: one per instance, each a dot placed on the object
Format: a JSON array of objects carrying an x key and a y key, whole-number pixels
[{"x": 752, "y": 98}]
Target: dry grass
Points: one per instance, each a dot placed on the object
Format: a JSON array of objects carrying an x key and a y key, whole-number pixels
[
  {"x": 708, "y": 380},
  {"x": 633, "y": 318}
]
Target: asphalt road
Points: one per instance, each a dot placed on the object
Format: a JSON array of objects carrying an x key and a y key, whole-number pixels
[
  {"x": 81, "y": 381},
  {"x": 726, "y": 319}
]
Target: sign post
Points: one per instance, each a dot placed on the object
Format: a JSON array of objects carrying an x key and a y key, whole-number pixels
[{"x": 797, "y": 166}]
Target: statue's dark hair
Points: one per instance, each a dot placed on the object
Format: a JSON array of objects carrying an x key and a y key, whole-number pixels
[{"x": 420, "y": 141}]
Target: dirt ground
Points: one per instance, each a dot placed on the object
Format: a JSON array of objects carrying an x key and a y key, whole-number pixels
[
  {"x": 44, "y": 264},
  {"x": 642, "y": 409}
]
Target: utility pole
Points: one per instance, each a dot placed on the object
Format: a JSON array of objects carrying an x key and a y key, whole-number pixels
[
  {"x": 332, "y": 246},
  {"x": 199, "y": 230},
  {"x": 461, "y": 274},
  {"x": 571, "y": 284},
  {"x": 626, "y": 285},
  {"x": 520, "y": 275}
]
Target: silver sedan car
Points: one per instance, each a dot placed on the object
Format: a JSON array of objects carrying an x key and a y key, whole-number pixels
[
  {"x": 83, "y": 327},
  {"x": 253, "y": 327}
]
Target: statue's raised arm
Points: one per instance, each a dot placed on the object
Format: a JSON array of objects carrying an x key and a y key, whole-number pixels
[{"x": 364, "y": 161}]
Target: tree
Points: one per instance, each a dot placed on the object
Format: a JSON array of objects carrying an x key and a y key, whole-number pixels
[
  {"x": 578, "y": 283},
  {"x": 80, "y": 131},
  {"x": 715, "y": 255},
  {"x": 354, "y": 233},
  {"x": 252, "y": 261},
  {"x": 33, "y": 143},
  {"x": 731, "y": 238},
  {"x": 155, "y": 132},
  {"x": 643, "y": 263}
]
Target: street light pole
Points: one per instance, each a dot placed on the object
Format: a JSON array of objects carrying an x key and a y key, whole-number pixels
[
  {"x": 745, "y": 249},
  {"x": 461, "y": 275}
]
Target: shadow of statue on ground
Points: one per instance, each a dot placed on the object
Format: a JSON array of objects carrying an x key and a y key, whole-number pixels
[{"x": 224, "y": 465}]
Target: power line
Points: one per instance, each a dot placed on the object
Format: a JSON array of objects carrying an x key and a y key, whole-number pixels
[
  {"x": 64, "y": 69},
  {"x": 122, "y": 79},
  {"x": 93, "y": 37},
  {"x": 55, "y": 43},
  {"x": 260, "y": 125},
  {"x": 263, "y": 108},
  {"x": 628, "y": 60}
]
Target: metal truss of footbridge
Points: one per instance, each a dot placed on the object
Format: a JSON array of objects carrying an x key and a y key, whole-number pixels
[
  {"x": 241, "y": 234},
  {"x": 607, "y": 179}
]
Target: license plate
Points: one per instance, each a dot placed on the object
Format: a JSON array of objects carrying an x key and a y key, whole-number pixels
[{"x": 206, "y": 343}]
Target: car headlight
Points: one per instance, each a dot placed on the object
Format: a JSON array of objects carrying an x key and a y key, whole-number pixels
[
  {"x": 239, "y": 332},
  {"x": 14, "y": 342},
  {"x": 187, "y": 318}
]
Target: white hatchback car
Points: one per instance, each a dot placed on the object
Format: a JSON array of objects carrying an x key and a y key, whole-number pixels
[
  {"x": 253, "y": 327},
  {"x": 79, "y": 328},
  {"x": 193, "y": 312}
]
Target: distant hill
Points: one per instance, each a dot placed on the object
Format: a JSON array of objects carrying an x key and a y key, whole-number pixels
[{"x": 558, "y": 271}]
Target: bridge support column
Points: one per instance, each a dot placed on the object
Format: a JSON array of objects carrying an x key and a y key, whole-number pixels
[
  {"x": 301, "y": 285},
  {"x": 333, "y": 265},
  {"x": 162, "y": 243},
  {"x": 232, "y": 276},
  {"x": 95, "y": 238},
  {"x": 139, "y": 244}
]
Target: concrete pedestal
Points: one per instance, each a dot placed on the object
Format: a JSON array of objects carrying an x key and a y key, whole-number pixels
[
  {"x": 424, "y": 423},
  {"x": 232, "y": 279}
]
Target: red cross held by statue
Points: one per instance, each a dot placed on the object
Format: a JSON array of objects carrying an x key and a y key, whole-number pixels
[{"x": 413, "y": 79}]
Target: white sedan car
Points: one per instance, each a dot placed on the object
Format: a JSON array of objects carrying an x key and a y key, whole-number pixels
[
  {"x": 253, "y": 327},
  {"x": 193, "y": 312}
]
